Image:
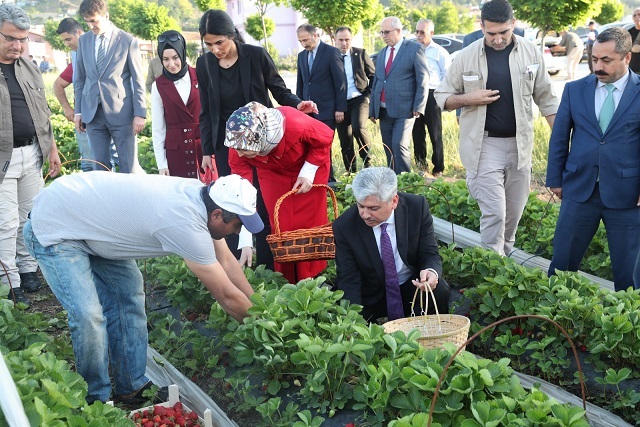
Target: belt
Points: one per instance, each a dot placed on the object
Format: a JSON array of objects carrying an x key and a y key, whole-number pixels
[
  {"x": 24, "y": 143},
  {"x": 497, "y": 135}
]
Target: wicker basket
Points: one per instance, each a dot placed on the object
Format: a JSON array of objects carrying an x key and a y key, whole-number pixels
[
  {"x": 436, "y": 330},
  {"x": 305, "y": 244}
]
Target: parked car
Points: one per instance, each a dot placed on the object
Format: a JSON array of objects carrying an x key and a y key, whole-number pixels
[{"x": 450, "y": 42}]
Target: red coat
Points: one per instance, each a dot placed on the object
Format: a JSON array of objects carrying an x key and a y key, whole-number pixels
[
  {"x": 305, "y": 139},
  {"x": 182, "y": 143}
]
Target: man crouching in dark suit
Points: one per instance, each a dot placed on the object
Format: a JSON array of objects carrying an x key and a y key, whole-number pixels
[{"x": 387, "y": 228}]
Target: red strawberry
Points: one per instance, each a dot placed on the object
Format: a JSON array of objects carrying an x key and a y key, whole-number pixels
[
  {"x": 148, "y": 424},
  {"x": 181, "y": 422}
]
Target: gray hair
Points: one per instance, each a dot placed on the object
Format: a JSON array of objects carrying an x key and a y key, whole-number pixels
[
  {"x": 429, "y": 22},
  {"x": 395, "y": 22},
  {"x": 379, "y": 182},
  {"x": 15, "y": 15},
  {"x": 618, "y": 35}
]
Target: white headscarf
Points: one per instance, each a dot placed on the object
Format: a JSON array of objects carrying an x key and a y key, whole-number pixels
[{"x": 255, "y": 127}]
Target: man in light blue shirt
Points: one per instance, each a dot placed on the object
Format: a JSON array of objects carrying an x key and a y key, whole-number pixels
[{"x": 438, "y": 61}]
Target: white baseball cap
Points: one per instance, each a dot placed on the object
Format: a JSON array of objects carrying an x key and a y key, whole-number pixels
[{"x": 235, "y": 194}]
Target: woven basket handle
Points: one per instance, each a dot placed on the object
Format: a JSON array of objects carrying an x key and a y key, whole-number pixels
[
  {"x": 276, "y": 211},
  {"x": 426, "y": 300}
]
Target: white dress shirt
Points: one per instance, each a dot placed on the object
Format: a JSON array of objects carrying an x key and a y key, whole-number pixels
[
  {"x": 108, "y": 35},
  {"x": 438, "y": 60},
  {"x": 602, "y": 92},
  {"x": 404, "y": 272},
  {"x": 352, "y": 90}
]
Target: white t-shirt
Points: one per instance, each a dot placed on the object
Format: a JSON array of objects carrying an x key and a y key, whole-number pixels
[{"x": 125, "y": 216}]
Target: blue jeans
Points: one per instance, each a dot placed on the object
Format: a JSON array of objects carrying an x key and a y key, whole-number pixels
[
  {"x": 85, "y": 151},
  {"x": 104, "y": 300}
]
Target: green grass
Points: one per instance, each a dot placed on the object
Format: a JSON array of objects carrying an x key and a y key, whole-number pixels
[{"x": 450, "y": 137}]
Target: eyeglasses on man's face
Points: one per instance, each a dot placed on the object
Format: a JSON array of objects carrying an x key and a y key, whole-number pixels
[
  {"x": 386, "y": 32},
  {"x": 12, "y": 39},
  {"x": 421, "y": 32}
]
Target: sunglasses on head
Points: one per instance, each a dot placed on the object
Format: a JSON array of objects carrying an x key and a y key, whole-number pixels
[{"x": 172, "y": 38}]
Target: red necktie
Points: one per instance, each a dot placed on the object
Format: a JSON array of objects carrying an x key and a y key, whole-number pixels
[{"x": 386, "y": 71}]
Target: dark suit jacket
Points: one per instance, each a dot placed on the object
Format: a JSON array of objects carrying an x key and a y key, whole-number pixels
[
  {"x": 358, "y": 263},
  {"x": 363, "y": 70},
  {"x": 119, "y": 87},
  {"x": 407, "y": 84},
  {"x": 578, "y": 149},
  {"x": 327, "y": 83},
  {"x": 258, "y": 76}
]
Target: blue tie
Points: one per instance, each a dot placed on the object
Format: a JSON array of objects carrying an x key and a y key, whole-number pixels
[
  {"x": 395, "y": 309},
  {"x": 310, "y": 60},
  {"x": 100, "y": 57},
  {"x": 608, "y": 108}
]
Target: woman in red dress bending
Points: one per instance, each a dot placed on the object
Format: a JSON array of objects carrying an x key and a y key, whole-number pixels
[
  {"x": 175, "y": 107},
  {"x": 290, "y": 150}
]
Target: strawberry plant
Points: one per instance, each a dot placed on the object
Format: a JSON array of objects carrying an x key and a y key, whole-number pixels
[{"x": 53, "y": 395}]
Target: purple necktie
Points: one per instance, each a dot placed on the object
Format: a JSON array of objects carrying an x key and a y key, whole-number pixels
[{"x": 394, "y": 300}]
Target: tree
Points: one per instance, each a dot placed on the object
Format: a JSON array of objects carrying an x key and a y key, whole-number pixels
[
  {"x": 50, "y": 35},
  {"x": 259, "y": 27},
  {"x": 150, "y": 20},
  {"x": 556, "y": 15},
  {"x": 610, "y": 11},
  {"x": 398, "y": 9},
  {"x": 205, "y": 5},
  {"x": 262, "y": 6},
  {"x": 181, "y": 10},
  {"x": 328, "y": 15},
  {"x": 446, "y": 19},
  {"x": 120, "y": 12}
]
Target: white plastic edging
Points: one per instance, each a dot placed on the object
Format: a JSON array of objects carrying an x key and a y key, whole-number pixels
[
  {"x": 10, "y": 402},
  {"x": 164, "y": 373},
  {"x": 467, "y": 238}
]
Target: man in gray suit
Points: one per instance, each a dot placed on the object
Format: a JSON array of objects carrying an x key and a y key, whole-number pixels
[
  {"x": 109, "y": 87},
  {"x": 399, "y": 93}
]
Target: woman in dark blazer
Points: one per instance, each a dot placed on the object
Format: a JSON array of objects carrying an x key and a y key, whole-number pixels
[{"x": 231, "y": 74}]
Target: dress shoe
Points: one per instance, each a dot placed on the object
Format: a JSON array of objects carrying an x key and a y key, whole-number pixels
[
  {"x": 136, "y": 398},
  {"x": 19, "y": 296},
  {"x": 30, "y": 282}
]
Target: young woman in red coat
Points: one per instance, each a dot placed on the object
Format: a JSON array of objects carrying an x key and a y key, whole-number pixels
[
  {"x": 290, "y": 150},
  {"x": 175, "y": 108}
]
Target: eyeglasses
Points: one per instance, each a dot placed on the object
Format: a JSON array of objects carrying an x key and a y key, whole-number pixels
[
  {"x": 422, "y": 33},
  {"x": 11, "y": 39},
  {"x": 386, "y": 32},
  {"x": 172, "y": 38}
]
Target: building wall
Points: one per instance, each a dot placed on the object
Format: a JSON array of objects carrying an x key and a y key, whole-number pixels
[{"x": 286, "y": 19}]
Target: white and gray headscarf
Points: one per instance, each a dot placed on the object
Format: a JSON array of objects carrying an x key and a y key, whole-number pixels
[{"x": 255, "y": 127}]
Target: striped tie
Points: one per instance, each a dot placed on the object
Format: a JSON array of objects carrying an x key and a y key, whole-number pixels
[{"x": 100, "y": 57}]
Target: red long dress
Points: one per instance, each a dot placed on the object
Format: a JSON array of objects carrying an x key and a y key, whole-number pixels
[
  {"x": 305, "y": 139},
  {"x": 182, "y": 142}
]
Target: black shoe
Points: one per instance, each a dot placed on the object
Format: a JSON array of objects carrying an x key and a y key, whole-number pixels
[
  {"x": 16, "y": 295},
  {"x": 30, "y": 282},
  {"x": 162, "y": 395}
]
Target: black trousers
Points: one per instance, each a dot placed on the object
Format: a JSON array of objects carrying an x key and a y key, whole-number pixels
[
  {"x": 353, "y": 127},
  {"x": 442, "y": 292},
  {"x": 432, "y": 119}
]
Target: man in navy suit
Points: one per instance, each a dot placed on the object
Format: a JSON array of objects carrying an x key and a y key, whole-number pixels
[
  {"x": 321, "y": 77},
  {"x": 399, "y": 93},
  {"x": 359, "y": 71},
  {"x": 594, "y": 161},
  {"x": 360, "y": 256},
  {"x": 109, "y": 87}
]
